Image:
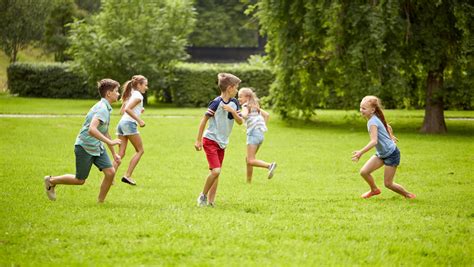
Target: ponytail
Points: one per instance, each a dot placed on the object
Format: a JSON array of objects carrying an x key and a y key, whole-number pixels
[
  {"x": 379, "y": 113},
  {"x": 127, "y": 90},
  {"x": 130, "y": 84}
]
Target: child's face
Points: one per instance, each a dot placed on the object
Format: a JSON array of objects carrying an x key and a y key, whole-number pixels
[
  {"x": 243, "y": 98},
  {"x": 233, "y": 90},
  {"x": 365, "y": 109},
  {"x": 114, "y": 95},
  {"x": 143, "y": 87}
]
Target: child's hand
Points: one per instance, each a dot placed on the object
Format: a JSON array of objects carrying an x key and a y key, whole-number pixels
[
  {"x": 356, "y": 156},
  {"x": 115, "y": 142},
  {"x": 198, "y": 145},
  {"x": 228, "y": 108},
  {"x": 394, "y": 138},
  {"x": 117, "y": 158},
  {"x": 141, "y": 123},
  {"x": 143, "y": 110}
]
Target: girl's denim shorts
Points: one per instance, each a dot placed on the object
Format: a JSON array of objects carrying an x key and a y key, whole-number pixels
[
  {"x": 255, "y": 137},
  {"x": 127, "y": 128},
  {"x": 393, "y": 159}
]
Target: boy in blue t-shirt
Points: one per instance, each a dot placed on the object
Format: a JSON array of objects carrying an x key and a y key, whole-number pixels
[
  {"x": 221, "y": 113},
  {"x": 89, "y": 148}
]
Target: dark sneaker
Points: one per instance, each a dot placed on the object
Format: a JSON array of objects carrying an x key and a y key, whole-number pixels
[
  {"x": 128, "y": 181},
  {"x": 49, "y": 188}
]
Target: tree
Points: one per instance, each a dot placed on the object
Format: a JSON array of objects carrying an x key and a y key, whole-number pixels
[
  {"x": 62, "y": 13},
  {"x": 332, "y": 53},
  {"x": 132, "y": 37},
  {"x": 223, "y": 23},
  {"x": 22, "y": 21}
]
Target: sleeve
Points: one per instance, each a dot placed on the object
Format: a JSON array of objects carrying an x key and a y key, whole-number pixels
[
  {"x": 101, "y": 114},
  {"x": 211, "y": 109}
]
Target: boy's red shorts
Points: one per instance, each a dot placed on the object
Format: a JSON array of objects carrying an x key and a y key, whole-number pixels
[{"x": 214, "y": 153}]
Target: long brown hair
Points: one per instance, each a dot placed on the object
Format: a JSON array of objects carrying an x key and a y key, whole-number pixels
[
  {"x": 375, "y": 103},
  {"x": 128, "y": 85},
  {"x": 253, "y": 102}
]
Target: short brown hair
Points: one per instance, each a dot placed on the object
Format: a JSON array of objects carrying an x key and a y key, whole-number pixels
[
  {"x": 224, "y": 80},
  {"x": 106, "y": 85}
]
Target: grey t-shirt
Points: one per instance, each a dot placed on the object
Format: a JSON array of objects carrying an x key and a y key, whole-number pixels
[
  {"x": 220, "y": 121},
  {"x": 385, "y": 145}
]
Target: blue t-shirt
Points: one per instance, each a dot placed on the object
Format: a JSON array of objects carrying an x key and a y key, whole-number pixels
[
  {"x": 220, "y": 121},
  {"x": 92, "y": 145},
  {"x": 385, "y": 145}
]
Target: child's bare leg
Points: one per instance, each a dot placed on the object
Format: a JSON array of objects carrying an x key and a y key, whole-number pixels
[
  {"x": 249, "y": 171},
  {"x": 370, "y": 166},
  {"x": 213, "y": 175},
  {"x": 109, "y": 174},
  {"x": 213, "y": 190},
  {"x": 389, "y": 175},
  {"x": 66, "y": 179},
  {"x": 251, "y": 152},
  {"x": 137, "y": 143},
  {"x": 122, "y": 149}
]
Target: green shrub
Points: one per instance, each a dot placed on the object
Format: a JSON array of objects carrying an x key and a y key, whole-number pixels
[
  {"x": 195, "y": 84},
  {"x": 53, "y": 80}
]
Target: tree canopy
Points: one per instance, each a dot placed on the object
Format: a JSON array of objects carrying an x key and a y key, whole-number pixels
[{"x": 332, "y": 53}]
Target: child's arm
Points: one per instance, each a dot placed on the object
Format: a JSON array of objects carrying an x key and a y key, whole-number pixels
[
  {"x": 122, "y": 108},
  {"x": 129, "y": 110},
  {"x": 116, "y": 156},
  {"x": 202, "y": 125},
  {"x": 373, "y": 141},
  {"x": 94, "y": 132},
  {"x": 245, "y": 111},
  {"x": 390, "y": 132},
  {"x": 234, "y": 113},
  {"x": 265, "y": 115}
]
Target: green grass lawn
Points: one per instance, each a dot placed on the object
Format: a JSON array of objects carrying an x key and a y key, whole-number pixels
[{"x": 310, "y": 213}]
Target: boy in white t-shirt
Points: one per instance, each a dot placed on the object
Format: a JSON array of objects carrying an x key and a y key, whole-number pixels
[{"x": 132, "y": 108}]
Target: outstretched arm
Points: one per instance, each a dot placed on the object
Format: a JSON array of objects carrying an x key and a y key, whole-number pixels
[{"x": 373, "y": 141}]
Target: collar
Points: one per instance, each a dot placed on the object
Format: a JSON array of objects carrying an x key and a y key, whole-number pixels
[{"x": 107, "y": 104}]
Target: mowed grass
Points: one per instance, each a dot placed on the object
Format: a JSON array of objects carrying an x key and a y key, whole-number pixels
[{"x": 310, "y": 213}]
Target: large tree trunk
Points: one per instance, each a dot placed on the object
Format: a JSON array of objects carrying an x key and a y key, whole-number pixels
[{"x": 434, "y": 112}]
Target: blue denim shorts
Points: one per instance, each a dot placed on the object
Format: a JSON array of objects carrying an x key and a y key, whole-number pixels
[
  {"x": 393, "y": 159},
  {"x": 255, "y": 137},
  {"x": 127, "y": 128}
]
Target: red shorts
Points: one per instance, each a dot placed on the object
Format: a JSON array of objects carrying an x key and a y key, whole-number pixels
[{"x": 214, "y": 153}]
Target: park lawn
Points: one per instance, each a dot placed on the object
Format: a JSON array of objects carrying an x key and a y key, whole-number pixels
[{"x": 310, "y": 213}]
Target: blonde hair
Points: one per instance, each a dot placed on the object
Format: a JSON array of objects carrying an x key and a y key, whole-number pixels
[
  {"x": 128, "y": 85},
  {"x": 253, "y": 102},
  {"x": 375, "y": 103},
  {"x": 224, "y": 80}
]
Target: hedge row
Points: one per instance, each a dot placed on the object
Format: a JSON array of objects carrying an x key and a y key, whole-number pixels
[
  {"x": 196, "y": 84},
  {"x": 189, "y": 84},
  {"x": 53, "y": 80}
]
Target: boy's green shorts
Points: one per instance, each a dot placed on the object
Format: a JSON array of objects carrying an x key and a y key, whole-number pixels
[{"x": 84, "y": 162}]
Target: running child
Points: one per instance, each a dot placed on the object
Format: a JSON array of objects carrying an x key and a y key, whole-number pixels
[
  {"x": 221, "y": 113},
  {"x": 255, "y": 120},
  {"x": 387, "y": 153}
]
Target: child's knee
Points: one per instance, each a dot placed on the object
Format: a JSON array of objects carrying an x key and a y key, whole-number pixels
[
  {"x": 363, "y": 172},
  {"x": 81, "y": 181},
  {"x": 388, "y": 184},
  {"x": 216, "y": 171},
  {"x": 109, "y": 172}
]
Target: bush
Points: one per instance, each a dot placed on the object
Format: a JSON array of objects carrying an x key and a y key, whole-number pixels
[
  {"x": 196, "y": 84},
  {"x": 54, "y": 80}
]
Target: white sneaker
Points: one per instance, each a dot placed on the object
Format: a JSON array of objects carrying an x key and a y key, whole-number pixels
[
  {"x": 271, "y": 170},
  {"x": 49, "y": 188},
  {"x": 202, "y": 200}
]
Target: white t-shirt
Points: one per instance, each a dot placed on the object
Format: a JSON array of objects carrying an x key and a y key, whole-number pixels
[{"x": 137, "y": 109}]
